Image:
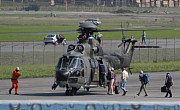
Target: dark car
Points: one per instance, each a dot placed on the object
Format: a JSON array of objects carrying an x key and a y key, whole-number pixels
[{"x": 32, "y": 7}]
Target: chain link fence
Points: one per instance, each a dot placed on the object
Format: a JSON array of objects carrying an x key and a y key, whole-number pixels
[{"x": 29, "y": 53}]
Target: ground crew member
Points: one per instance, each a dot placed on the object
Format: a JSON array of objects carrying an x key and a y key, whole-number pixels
[{"x": 14, "y": 80}]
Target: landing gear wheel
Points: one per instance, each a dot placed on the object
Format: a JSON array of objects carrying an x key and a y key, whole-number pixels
[
  {"x": 87, "y": 89},
  {"x": 67, "y": 92},
  {"x": 72, "y": 93}
]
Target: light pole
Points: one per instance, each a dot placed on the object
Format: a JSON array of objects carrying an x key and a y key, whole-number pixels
[{"x": 0, "y": 3}]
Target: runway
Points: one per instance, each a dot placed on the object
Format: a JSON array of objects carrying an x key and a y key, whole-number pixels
[{"x": 40, "y": 89}]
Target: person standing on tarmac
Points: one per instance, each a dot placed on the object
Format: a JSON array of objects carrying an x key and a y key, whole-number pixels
[
  {"x": 141, "y": 78},
  {"x": 112, "y": 69},
  {"x": 101, "y": 73},
  {"x": 144, "y": 37},
  {"x": 108, "y": 80},
  {"x": 111, "y": 83},
  {"x": 14, "y": 80},
  {"x": 99, "y": 37},
  {"x": 124, "y": 77},
  {"x": 110, "y": 77},
  {"x": 168, "y": 83}
]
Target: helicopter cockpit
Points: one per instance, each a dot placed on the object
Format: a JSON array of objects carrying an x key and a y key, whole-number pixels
[{"x": 74, "y": 64}]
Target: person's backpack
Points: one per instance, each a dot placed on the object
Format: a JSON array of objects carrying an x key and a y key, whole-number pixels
[
  {"x": 146, "y": 78},
  {"x": 109, "y": 76}
]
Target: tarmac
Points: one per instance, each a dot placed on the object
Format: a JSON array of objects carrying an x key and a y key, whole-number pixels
[{"x": 40, "y": 89}]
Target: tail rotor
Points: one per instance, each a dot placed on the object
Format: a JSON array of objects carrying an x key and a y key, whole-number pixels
[{"x": 123, "y": 36}]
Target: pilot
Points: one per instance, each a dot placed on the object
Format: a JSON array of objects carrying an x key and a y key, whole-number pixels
[{"x": 14, "y": 80}]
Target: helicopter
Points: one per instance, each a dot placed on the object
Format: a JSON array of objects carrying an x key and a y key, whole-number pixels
[{"x": 79, "y": 67}]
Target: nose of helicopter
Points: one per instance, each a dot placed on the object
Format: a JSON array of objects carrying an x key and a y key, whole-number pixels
[{"x": 62, "y": 75}]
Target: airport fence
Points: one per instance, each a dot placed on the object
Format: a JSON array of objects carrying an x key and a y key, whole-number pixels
[{"x": 27, "y": 53}]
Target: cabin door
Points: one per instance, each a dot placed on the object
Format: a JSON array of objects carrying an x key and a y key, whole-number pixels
[{"x": 94, "y": 70}]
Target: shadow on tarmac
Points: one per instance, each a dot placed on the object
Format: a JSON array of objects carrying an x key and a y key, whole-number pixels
[{"x": 63, "y": 94}]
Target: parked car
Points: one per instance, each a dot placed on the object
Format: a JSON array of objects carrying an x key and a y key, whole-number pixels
[
  {"x": 32, "y": 7},
  {"x": 51, "y": 38},
  {"x": 94, "y": 21}
]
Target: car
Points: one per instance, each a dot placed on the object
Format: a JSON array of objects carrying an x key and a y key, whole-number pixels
[
  {"x": 94, "y": 21},
  {"x": 51, "y": 38},
  {"x": 32, "y": 7}
]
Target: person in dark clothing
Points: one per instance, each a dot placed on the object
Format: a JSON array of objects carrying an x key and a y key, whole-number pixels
[
  {"x": 168, "y": 83},
  {"x": 141, "y": 78},
  {"x": 144, "y": 37},
  {"x": 102, "y": 74}
]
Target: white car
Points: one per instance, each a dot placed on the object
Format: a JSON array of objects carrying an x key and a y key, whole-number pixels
[
  {"x": 94, "y": 21},
  {"x": 51, "y": 38}
]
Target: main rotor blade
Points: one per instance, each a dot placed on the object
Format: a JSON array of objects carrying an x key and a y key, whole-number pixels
[
  {"x": 111, "y": 30},
  {"x": 40, "y": 33}
]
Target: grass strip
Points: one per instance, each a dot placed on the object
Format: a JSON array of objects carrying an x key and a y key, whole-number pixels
[
  {"x": 28, "y": 71},
  {"x": 154, "y": 67},
  {"x": 34, "y": 71}
]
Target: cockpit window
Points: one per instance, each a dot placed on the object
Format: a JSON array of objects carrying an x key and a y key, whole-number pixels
[
  {"x": 71, "y": 62},
  {"x": 59, "y": 63},
  {"x": 74, "y": 63},
  {"x": 81, "y": 63},
  {"x": 65, "y": 63}
]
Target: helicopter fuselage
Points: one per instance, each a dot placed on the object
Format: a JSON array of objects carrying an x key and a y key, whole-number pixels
[{"x": 80, "y": 66}]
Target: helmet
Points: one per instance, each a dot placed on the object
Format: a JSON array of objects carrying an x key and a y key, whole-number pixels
[
  {"x": 17, "y": 68},
  {"x": 112, "y": 69},
  {"x": 141, "y": 71}
]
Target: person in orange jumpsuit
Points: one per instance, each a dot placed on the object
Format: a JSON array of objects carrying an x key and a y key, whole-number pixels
[{"x": 14, "y": 80}]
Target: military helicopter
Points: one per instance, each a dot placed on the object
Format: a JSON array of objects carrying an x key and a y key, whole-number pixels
[{"x": 79, "y": 66}]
